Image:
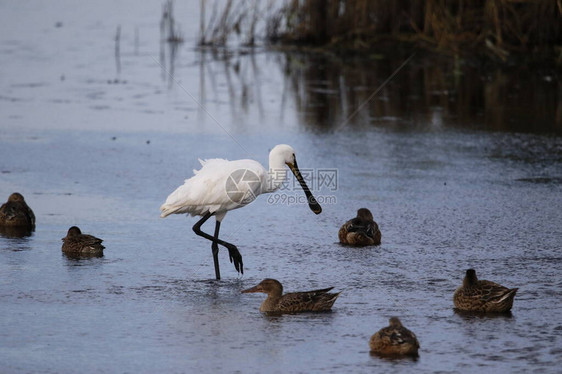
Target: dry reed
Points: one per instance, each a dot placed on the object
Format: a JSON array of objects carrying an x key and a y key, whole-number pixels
[{"x": 500, "y": 27}]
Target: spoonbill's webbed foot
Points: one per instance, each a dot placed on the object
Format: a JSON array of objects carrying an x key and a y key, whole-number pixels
[{"x": 236, "y": 258}]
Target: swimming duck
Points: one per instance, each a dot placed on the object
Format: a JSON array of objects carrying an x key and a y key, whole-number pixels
[
  {"x": 394, "y": 340},
  {"x": 483, "y": 296},
  {"x": 295, "y": 302},
  {"x": 16, "y": 213},
  {"x": 77, "y": 243},
  {"x": 361, "y": 230}
]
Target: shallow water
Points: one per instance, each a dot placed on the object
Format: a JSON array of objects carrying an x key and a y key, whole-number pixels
[{"x": 452, "y": 186}]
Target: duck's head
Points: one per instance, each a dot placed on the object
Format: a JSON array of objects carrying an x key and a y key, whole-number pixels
[
  {"x": 16, "y": 196},
  {"x": 267, "y": 286},
  {"x": 365, "y": 214},
  {"x": 394, "y": 322},
  {"x": 470, "y": 277},
  {"x": 73, "y": 231}
]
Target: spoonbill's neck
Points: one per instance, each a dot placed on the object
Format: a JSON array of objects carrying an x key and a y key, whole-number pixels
[{"x": 277, "y": 173}]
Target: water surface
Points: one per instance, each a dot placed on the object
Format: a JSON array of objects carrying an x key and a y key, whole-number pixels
[{"x": 456, "y": 177}]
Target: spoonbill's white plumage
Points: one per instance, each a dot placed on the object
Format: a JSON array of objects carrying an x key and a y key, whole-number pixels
[
  {"x": 222, "y": 185},
  {"x": 206, "y": 191}
]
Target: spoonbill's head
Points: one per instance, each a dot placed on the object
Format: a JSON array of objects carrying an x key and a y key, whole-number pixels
[
  {"x": 287, "y": 154},
  {"x": 284, "y": 152}
]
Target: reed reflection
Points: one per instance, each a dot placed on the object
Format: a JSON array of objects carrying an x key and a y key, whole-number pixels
[{"x": 429, "y": 93}]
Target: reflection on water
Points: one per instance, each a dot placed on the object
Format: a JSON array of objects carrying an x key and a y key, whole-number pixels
[
  {"x": 81, "y": 256},
  {"x": 445, "y": 200},
  {"x": 429, "y": 93},
  {"x": 394, "y": 358},
  {"x": 469, "y": 316},
  {"x": 243, "y": 80},
  {"x": 16, "y": 241},
  {"x": 168, "y": 59},
  {"x": 541, "y": 180}
]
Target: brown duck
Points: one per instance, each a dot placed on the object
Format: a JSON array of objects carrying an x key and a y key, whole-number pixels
[
  {"x": 483, "y": 296},
  {"x": 81, "y": 244},
  {"x": 394, "y": 340},
  {"x": 361, "y": 230},
  {"x": 295, "y": 302},
  {"x": 16, "y": 213}
]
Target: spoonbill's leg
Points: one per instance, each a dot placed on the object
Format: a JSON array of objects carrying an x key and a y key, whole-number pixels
[
  {"x": 215, "y": 250},
  {"x": 234, "y": 254}
]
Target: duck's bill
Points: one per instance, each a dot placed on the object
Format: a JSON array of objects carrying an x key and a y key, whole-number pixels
[
  {"x": 252, "y": 289},
  {"x": 312, "y": 203}
]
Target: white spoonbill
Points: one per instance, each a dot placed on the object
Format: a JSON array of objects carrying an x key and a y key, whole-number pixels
[{"x": 222, "y": 185}]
